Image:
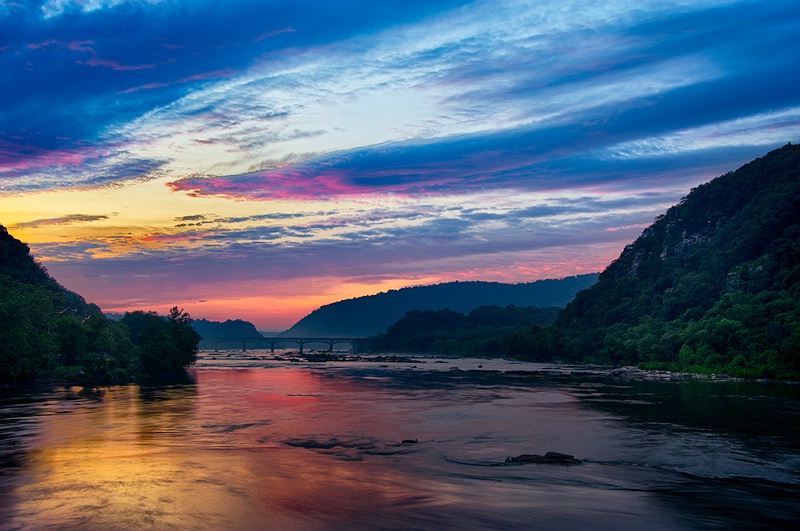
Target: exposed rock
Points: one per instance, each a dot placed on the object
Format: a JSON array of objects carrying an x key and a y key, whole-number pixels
[{"x": 548, "y": 458}]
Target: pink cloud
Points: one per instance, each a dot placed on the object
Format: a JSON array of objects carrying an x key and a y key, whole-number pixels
[
  {"x": 215, "y": 74},
  {"x": 76, "y": 46},
  {"x": 315, "y": 182},
  {"x": 281, "y": 184},
  {"x": 22, "y": 157},
  {"x": 166, "y": 238},
  {"x": 114, "y": 65},
  {"x": 225, "y": 72},
  {"x": 146, "y": 86}
]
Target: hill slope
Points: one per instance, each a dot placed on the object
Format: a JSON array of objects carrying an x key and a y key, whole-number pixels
[
  {"x": 373, "y": 314},
  {"x": 229, "y": 328},
  {"x": 17, "y": 267},
  {"x": 713, "y": 284},
  {"x": 210, "y": 331},
  {"x": 47, "y": 331}
]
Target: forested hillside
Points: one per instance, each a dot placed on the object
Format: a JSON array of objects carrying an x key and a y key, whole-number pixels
[
  {"x": 373, "y": 314},
  {"x": 484, "y": 331},
  {"x": 47, "y": 331},
  {"x": 211, "y": 332},
  {"x": 229, "y": 328},
  {"x": 712, "y": 286}
]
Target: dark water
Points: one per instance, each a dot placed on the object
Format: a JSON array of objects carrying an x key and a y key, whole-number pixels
[{"x": 279, "y": 445}]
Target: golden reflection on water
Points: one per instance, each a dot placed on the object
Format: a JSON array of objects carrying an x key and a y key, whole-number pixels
[
  {"x": 299, "y": 448},
  {"x": 107, "y": 466},
  {"x": 129, "y": 457}
]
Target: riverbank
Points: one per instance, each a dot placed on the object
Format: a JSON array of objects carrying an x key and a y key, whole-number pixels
[{"x": 406, "y": 361}]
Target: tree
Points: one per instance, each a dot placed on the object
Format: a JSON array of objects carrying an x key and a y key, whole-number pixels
[
  {"x": 27, "y": 345},
  {"x": 165, "y": 347},
  {"x": 186, "y": 337}
]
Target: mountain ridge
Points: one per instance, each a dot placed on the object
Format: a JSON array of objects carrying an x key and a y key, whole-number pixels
[
  {"x": 373, "y": 314},
  {"x": 713, "y": 285}
]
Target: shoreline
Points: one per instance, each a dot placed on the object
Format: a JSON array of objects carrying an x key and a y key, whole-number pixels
[
  {"x": 631, "y": 373},
  {"x": 555, "y": 367}
]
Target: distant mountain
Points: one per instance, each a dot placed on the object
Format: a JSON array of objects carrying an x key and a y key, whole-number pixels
[
  {"x": 230, "y": 328},
  {"x": 373, "y": 314},
  {"x": 209, "y": 330},
  {"x": 713, "y": 284}
]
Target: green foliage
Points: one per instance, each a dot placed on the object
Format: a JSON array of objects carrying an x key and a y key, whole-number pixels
[
  {"x": 712, "y": 286},
  {"x": 42, "y": 335},
  {"x": 485, "y": 331},
  {"x": 165, "y": 347},
  {"x": 25, "y": 345},
  {"x": 373, "y": 314},
  {"x": 47, "y": 331}
]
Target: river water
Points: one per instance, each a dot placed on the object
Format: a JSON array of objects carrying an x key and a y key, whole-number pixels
[{"x": 274, "y": 444}]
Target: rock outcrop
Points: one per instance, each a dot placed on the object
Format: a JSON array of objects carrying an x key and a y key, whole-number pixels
[{"x": 548, "y": 458}]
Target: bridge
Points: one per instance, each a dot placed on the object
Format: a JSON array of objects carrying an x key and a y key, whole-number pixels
[{"x": 357, "y": 343}]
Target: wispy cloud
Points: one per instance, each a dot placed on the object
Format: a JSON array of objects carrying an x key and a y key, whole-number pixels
[
  {"x": 466, "y": 92},
  {"x": 54, "y": 8},
  {"x": 77, "y": 46},
  {"x": 114, "y": 65},
  {"x": 64, "y": 220},
  {"x": 307, "y": 119},
  {"x": 273, "y": 33},
  {"x": 394, "y": 142}
]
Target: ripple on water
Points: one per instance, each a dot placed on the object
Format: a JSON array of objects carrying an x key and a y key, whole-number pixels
[{"x": 322, "y": 448}]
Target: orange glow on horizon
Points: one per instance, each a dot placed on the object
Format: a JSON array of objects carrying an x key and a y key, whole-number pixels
[
  {"x": 269, "y": 312},
  {"x": 110, "y": 245}
]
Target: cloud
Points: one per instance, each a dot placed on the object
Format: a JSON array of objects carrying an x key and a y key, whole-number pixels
[
  {"x": 335, "y": 113},
  {"x": 393, "y": 141},
  {"x": 193, "y": 217},
  {"x": 94, "y": 166},
  {"x": 114, "y": 65},
  {"x": 273, "y": 33},
  {"x": 65, "y": 220},
  {"x": 76, "y": 46},
  {"x": 469, "y": 114},
  {"x": 766, "y": 129},
  {"x": 54, "y": 8}
]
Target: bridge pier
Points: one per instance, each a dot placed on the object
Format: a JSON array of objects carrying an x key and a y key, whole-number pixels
[{"x": 357, "y": 343}]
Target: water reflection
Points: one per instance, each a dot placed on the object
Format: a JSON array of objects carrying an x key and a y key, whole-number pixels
[{"x": 293, "y": 447}]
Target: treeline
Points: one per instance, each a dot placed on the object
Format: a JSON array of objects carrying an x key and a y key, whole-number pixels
[
  {"x": 485, "y": 331},
  {"x": 713, "y": 286},
  {"x": 49, "y": 332},
  {"x": 373, "y": 314}
]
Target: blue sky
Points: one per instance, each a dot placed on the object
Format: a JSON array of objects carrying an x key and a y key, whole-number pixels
[{"x": 281, "y": 155}]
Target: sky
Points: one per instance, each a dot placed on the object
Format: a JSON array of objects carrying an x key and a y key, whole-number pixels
[{"x": 256, "y": 159}]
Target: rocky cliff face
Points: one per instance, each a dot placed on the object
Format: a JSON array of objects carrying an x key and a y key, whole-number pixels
[
  {"x": 735, "y": 215},
  {"x": 721, "y": 270}
]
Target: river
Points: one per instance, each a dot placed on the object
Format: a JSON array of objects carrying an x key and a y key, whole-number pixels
[{"x": 266, "y": 443}]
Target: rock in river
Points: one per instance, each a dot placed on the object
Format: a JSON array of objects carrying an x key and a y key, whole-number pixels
[{"x": 549, "y": 458}]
